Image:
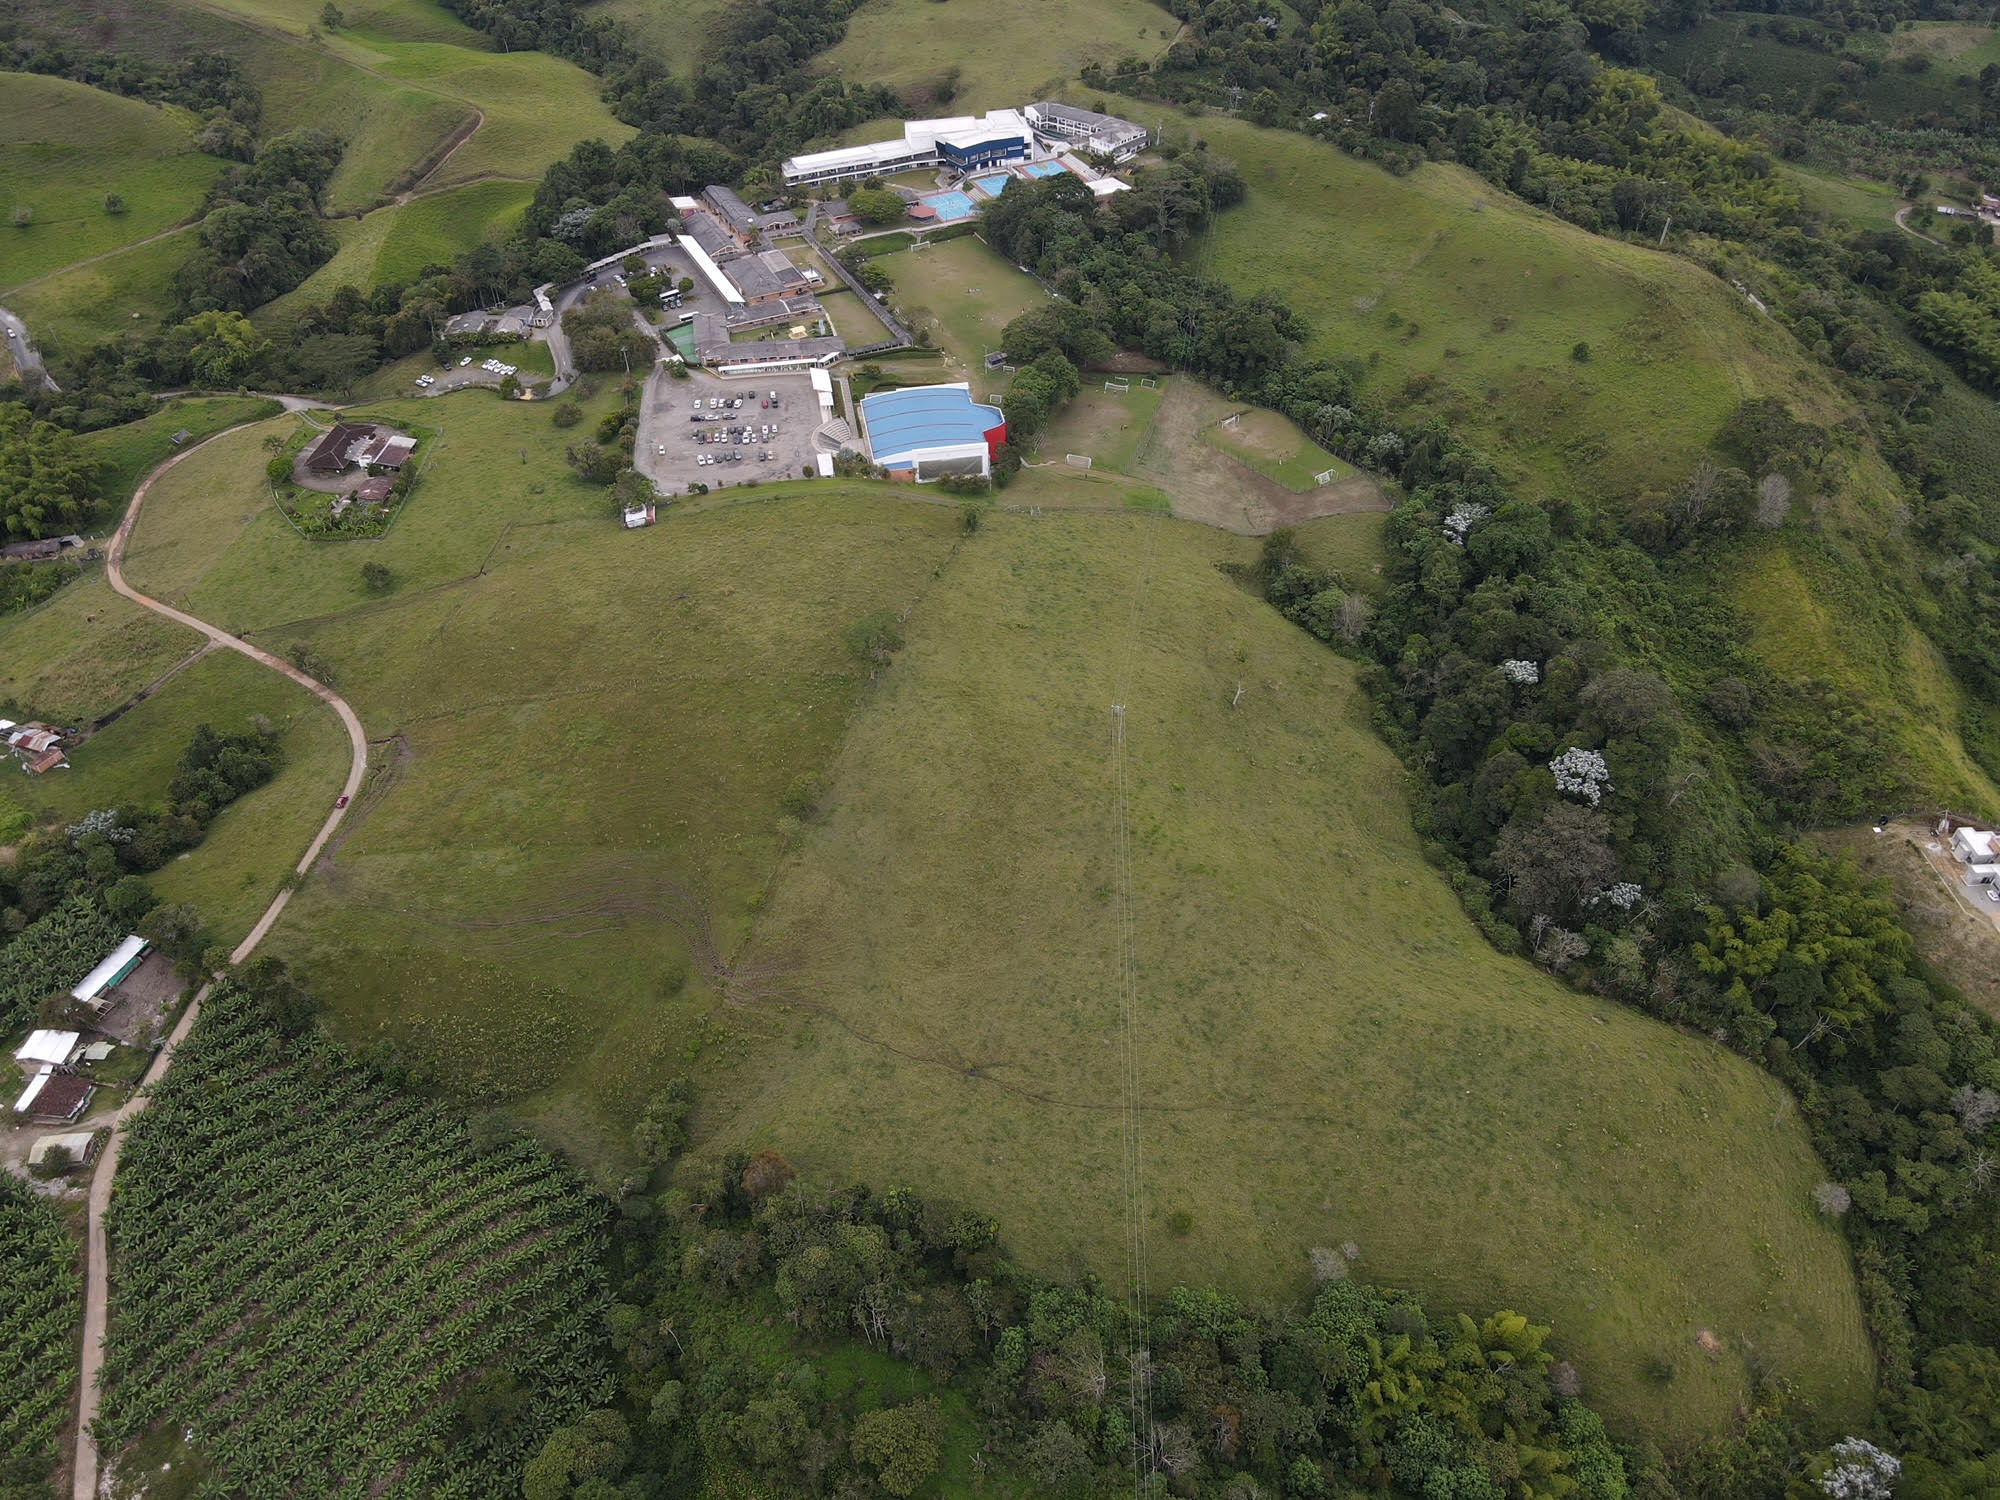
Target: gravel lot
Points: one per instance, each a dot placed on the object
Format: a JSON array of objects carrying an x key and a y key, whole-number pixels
[{"x": 672, "y": 442}]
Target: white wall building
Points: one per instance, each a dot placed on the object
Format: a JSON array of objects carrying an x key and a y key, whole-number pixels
[
  {"x": 1973, "y": 846},
  {"x": 967, "y": 142},
  {"x": 1118, "y": 139}
]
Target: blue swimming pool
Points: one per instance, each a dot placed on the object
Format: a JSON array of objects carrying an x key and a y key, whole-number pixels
[
  {"x": 952, "y": 206},
  {"x": 1046, "y": 169},
  {"x": 992, "y": 186}
]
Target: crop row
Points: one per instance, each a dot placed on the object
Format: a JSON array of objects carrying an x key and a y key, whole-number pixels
[
  {"x": 38, "y": 1315},
  {"x": 307, "y": 1267}
]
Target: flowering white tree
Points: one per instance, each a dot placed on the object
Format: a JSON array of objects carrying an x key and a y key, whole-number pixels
[
  {"x": 1975, "y": 1107},
  {"x": 1624, "y": 895},
  {"x": 1861, "y": 1471},
  {"x": 1832, "y": 1199},
  {"x": 1582, "y": 774},
  {"x": 1526, "y": 673},
  {"x": 1462, "y": 519}
]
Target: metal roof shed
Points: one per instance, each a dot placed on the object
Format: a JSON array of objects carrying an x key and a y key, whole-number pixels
[
  {"x": 90, "y": 990},
  {"x": 48, "y": 1048}
]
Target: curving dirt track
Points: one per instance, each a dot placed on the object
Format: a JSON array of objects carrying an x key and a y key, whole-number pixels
[{"x": 96, "y": 1288}]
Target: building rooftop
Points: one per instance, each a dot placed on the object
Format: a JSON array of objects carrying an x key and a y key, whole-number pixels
[
  {"x": 925, "y": 416},
  {"x": 56, "y": 1047}
]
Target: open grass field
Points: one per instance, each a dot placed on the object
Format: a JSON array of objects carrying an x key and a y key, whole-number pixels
[
  {"x": 1858, "y": 201},
  {"x": 231, "y": 876},
  {"x": 578, "y": 728},
  {"x": 1326, "y": 1048},
  {"x": 1012, "y": 52},
  {"x": 964, "y": 294},
  {"x": 1274, "y": 446},
  {"x": 75, "y": 657},
  {"x": 1472, "y": 303},
  {"x": 63, "y": 147},
  {"x": 84, "y": 304},
  {"x": 1810, "y": 617},
  {"x": 126, "y": 454}
]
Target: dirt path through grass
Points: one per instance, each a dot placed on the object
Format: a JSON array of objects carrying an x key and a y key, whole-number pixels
[{"x": 96, "y": 1277}]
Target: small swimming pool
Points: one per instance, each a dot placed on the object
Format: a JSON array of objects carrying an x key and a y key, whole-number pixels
[
  {"x": 1046, "y": 169},
  {"x": 992, "y": 186},
  {"x": 952, "y": 206}
]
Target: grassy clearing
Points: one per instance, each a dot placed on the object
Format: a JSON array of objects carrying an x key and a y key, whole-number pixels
[
  {"x": 1351, "y": 544},
  {"x": 1011, "y": 51},
  {"x": 394, "y": 244},
  {"x": 964, "y": 294},
  {"x": 79, "y": 655},
  {"x": 1274, "y": 447},
  {"x": 1471, "y": 303},
  {"x": 1858, "y": 201},
  {"x": 127, "y": 454},
  {"x": 63, "y": 147},
  {"x": 231, "y": 876},
  {"x": 673, "y": 31},
  {"x": 1327, "y": 1048},
  {"x": 131, "y": 289}
]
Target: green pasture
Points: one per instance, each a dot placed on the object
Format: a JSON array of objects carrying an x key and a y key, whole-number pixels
[
  {"x": 964, "y": 294},
  {"x": 1326, "y": 1049},
  {"x": 127, "y": 290},
  {"x": 1352, "y": 545},
  {"x": 126, "y": 454},
  {"x": 63, "y": 147},
  {"x": 674, "y": 32},
  {"x": 1011, "y": 52},
  {"x": 583, "y": 735},
  {"x": 231, "y": 876},
  {"x": 75, "y": 657},
  {"x": 1470, "y": 304},
  {"x": 1856, "y": 200},
  {"x": 394, "y": 244}
]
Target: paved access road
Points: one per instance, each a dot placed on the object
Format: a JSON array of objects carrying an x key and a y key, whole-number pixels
[
  {"x": 95, "y": 1287},
  {"x": 27, "y": 358}
]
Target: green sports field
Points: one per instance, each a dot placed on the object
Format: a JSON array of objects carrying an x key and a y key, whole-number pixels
[{"x": 64, "y": 147}]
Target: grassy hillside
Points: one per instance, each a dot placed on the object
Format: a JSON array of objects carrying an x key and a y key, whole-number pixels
[
  {"x": 64, "y": 147},
  {"x": 100, "y": 299},
  {"x": 1011, "y": 52},
  {"x": 231, "y": 876},
  {"x": 84, "y": 652},
  {"x": 673, "y": 31},
  {"x": 393, "y": 244},
  {"x": 1469, "y": 303},
  {"x": 1326, "y": 1049}
]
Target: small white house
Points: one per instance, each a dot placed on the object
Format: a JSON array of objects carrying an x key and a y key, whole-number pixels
[{"x": 1974, "y": 846}]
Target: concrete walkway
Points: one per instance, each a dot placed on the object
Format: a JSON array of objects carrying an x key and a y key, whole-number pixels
[{"x": 96, "y": 1289}]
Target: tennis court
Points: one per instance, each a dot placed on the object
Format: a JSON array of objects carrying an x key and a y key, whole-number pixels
[
  {"x": 682, "y": 338},
  {"x": 1046, "y": 169},
  {"x": 992, "y": 186},
  {"x": 952, "y": 206}
]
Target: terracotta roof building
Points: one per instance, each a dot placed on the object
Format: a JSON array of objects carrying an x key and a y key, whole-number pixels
[{"x": 330, "y": 454}]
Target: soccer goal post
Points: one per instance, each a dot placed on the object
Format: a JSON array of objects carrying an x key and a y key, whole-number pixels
[
  {"x": 1323, "y": 477},
  {"x": 1119, "y": 387},
  {"x": 1077, "y": 460},
  {"x": 1149, "y": 383}
]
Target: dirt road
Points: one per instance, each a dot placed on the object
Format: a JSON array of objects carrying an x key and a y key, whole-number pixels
[{"x": 96, "y": 1288}]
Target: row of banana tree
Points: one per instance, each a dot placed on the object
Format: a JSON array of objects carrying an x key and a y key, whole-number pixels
[
  {"x": 310, "y": 1269},
  {"x": 39, "y": 1301}
]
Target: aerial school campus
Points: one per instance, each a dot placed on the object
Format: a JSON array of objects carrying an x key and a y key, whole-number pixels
[{"x": 1151, "y": 789}]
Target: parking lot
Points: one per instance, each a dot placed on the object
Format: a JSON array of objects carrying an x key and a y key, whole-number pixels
[{"x": 706, "y": 430}]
